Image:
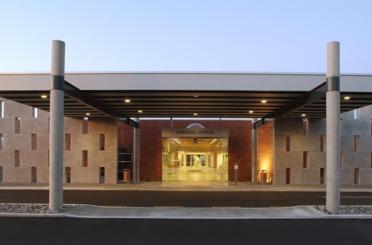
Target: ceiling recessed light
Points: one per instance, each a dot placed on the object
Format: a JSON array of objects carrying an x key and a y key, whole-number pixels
[
  {"x": 263, "y": 101},
  {"x": 347, "y": 98},
  {"x": 303, "y": 115},
  {"x": 195, "y": 114},
  {"x": 85, "y": 118},
  {"x": 140, "y": 111},
  {"x": 251, "y": 112},
  {"x": 44, "y": 96},
  {"x": 127, "y": 100},
  {"x": 196, "y": 96},
  {"x": 87, "y": 114}
]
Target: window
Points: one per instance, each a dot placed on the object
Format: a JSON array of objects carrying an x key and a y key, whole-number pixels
[
  {"x": 33, "y": 141},
  {"x": 85, "y": 158},
  {"x": 17, "y": 158},
  {"x": 287, "y": 176},
  {"x": 371, "y": 160},
  {"x": 371, "y": 127},
  {"x": 101, "y": 175},
  {"x": 34, "y": 112},
  {"x": 304, "y": 159},
  {"x": 101, "y": 142},
  {"x": 1, "y": 174},
  {"x": 68, "y": 175},
  {"x": 85, "y": 125},
  {"x": 355, "y": 143},
  {"x": 33, "y": 175},
  {"x": 305, "y": 125},
  {"x": 1, "y": 141},
  {"x": 356, "y": 176},
  {"x": 2, "y": 109},
  {"x": 321, "y": 143},
  {"x": 287, "y": 143},
  {"x": 17, "y": 125},
  {"x": 67, "y": 142},
  {"x": 322, "y": 176}
]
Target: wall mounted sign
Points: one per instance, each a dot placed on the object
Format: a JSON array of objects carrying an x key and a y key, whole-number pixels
[{"x": 195, "y": 133}]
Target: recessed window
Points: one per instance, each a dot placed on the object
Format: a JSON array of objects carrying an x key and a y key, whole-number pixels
[
  {"x": 34, "y": 112},
  {"x": 33, "y": 142},
  {"x": 355, "y": 143},
  {"x": 85, "y": 158},
  {"x": 101, "y": 142},
  {"x": 17, "y": 158},
  {"x": 68, "y": 175},
  {"x": 101, "y": 175},
  {"x": 371, "y": 127},
  {"x": 17, "y": 125},
  {"x": 305, "y": 125},
  {"x": 2, "y": 105},
  {"x": 287, "y": 176},
  {"x": 287, "y": 143},
  {"x": 321, "y": 143},
  {"x": 304, "y": 159},
  {"x": 1, "y": 174},
  {"x": 371, "y": 160},
  {"x": 85, "y": 123},
  {"x": 67, "y": 142},
  {"x": 1, "y": 141},
  {"x": 322, "y": 176},
  {"x": 356, "y": 176},
  {"x": 33, "y": 175}
]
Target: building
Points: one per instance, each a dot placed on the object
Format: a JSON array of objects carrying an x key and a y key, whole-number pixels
[{"x": 207, "y": 128}]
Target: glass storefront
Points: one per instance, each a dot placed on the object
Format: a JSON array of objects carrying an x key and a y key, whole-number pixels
[{"x": 195, "y": 159}]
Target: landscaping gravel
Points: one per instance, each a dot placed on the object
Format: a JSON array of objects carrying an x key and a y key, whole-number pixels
[
  {"x": 30, "y": 208},
  {"x": 352, "y": 209}
]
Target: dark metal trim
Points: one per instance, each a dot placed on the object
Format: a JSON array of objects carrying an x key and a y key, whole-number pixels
[
  {"x": 333, "y": 83},
  {"x": 57, "y": 82}
]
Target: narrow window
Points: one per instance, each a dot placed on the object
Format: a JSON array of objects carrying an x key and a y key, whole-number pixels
[
  {"x": 321, "y": 143},
  {"x": 287, "y": 143},
  {"x": 371, "y": 160},
  {"x": 1, "y": 141},
  {"x": 17, "y": 125},
  {"x": 34, "y": 112},
  {"x": 287, "y": 176},
  {"x": 342, "y": 159},
  {"x": 1, "y": 109},
  {"x": 68, "y": 175},
  {"x": 17, "y": 158},
  {"x": 304, "y": 159},
  {"x": 101, "y": 142},
  {"x": 85, "y": 158},
  {"x": 67, "y": 142},
  {"x": 48, "y": 158},
  {"x": 101, "y": 175},
  {"x": 33, "y": 142},
  {"x": 305, "y": 125},
  {"x": 356, "y": 176},
  {"x": 322, "y": 176},
  {"x": 85, "y": 125},
  {"x": 48, "y": 125},
  {"x": 1, "y": 174},
  {"x": 371, "y": 127},
  {"x": 355, "y": 143},
  {"x": 33, "y": 175}
]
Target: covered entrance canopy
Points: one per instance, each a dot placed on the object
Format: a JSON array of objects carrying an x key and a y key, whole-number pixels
[{"x": 240, "y": 95}]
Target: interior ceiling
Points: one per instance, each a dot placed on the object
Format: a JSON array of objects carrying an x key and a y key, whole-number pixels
[{"x": 185, "y": 103}]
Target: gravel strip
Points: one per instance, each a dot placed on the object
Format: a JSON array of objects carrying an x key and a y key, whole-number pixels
[
  {"x": 351, "y": 209},
  {"x": 31, "y": 208}
]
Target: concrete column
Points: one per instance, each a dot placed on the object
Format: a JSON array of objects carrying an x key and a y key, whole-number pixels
[
  {"x": 333, "y": 128},
  {"x": 56, "y": 127},
  {"x": 136, "y": 155},
  {"x": 254, "y": 152}
]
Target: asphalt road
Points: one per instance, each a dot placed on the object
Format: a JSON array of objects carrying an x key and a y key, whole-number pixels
[
  {"x": 71, "y": 231},
  {"x": 185, "y": 198}
]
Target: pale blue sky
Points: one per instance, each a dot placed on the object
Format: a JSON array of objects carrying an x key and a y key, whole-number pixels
[{"x": 186, "y": 35}]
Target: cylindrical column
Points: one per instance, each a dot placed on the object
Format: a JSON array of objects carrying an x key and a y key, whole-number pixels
[
  {"x": 56, "y": 127},
  {"x": 254, "y": 152},
  {"x": 136, "y": 155},
  {"x": 333, "y": 128}
]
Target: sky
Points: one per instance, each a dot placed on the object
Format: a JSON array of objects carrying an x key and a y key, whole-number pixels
[{"x": 185, "y": 35}]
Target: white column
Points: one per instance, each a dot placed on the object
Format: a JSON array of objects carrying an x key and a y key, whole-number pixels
[
  {"x": 136, "y": 155},
  {"x": 254, "y": 152},
  {"x": 333, "y": 128},
  {"x": 56, "y": 127}
]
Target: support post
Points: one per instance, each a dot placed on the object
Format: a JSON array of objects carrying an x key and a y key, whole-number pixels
[
  {"x": 56, "y": 127},
  {"x": 254, "y": 152},
  {"x": 136, "y": 155},
  {"x": 333, "y": 128}
]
